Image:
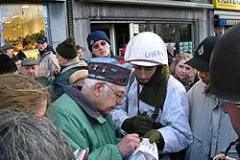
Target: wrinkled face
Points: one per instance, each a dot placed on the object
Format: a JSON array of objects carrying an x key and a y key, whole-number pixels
[
  {"x": 61, "y": 60},
  {"x": 30, "y": 71},
  {"x": 144, "y": 74},
  {"x": 204, "y": 76},
  {"x": 42, "y": 46},
  {"x": 183, "y": 70},
  {"x": 101, "y": 49},
  {"x": 109, "y": 96},
  {"x": 234, "y": 113},
  {"x": 9, "y": 52}
]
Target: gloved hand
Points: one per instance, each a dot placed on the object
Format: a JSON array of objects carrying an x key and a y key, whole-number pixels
[
  {"x": 138, "y": 124},
  {"x": 155, "y": 137}
]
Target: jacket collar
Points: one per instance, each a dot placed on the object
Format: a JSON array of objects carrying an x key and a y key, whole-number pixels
[{"x": 84, "y": 103}]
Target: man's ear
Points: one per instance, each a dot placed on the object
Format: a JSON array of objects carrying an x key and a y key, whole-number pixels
[{"x": 97, "y": 88}]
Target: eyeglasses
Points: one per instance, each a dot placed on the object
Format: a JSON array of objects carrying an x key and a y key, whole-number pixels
[
  {"x": 118, "y": 96},
  {"x": 97, "y": 45}
]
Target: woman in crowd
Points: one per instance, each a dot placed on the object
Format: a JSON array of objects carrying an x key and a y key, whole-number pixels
[{"x": 183, "y": 72}]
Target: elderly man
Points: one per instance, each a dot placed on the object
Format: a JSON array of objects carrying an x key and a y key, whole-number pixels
[
  {"x": 225, "y": 76},
  {"x": 83, "y": 115},
  {"x": 29, "y": 67},
  {"x": 156, "y": 105}
]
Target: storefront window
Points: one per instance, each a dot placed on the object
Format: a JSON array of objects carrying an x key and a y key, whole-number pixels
[
  {"x": 179, "y": 34},
  {"x": 20, "y": 24}
]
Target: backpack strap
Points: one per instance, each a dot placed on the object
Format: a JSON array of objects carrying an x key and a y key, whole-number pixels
[{"x": 130, "y": 81}]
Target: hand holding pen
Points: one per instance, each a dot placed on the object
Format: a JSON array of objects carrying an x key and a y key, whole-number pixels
[
  {"x": 128, "y": 143},
  {"x": 122, "y": 132}
]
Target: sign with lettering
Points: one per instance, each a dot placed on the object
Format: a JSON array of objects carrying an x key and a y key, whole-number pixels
[
  {"x": 227, "y": 4},
  {"x": 228, "y": 22}
]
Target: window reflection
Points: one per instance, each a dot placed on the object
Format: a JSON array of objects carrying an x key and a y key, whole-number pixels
[
  {"x": 180, "y": 34},
  {"x": 20, "y": 24}
]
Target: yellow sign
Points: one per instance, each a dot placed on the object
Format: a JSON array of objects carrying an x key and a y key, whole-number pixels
[{"x": 227, "y": 4}]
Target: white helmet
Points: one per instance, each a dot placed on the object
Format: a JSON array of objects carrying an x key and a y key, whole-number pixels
[{"x": 146, "y": 49}]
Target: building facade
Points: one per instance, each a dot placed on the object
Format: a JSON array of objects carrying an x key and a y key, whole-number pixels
[
  {"x": 22, "y": 21},
  {"x": 185, "y": 23},
  {"x": 182, "y": 22},
  {"x": 226, "y": 14}
]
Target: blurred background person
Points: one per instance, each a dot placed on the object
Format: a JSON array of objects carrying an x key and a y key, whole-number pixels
[
  {"x": 183, "y": 72},
  {"x": 81, "y": 52},
  {"x": 7, "y": 59},
  {"x": 48, "y": 64},
  {"x": 24, "y": 136},
  {"x": 69, "y": 63},
  {"x": 29, "y": 67},
  {"x": 23, "y": 92},
  {"x": 171, "y": 49}
]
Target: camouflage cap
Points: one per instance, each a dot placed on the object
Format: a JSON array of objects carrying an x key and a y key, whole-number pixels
[{"x": 30, "y": 61}]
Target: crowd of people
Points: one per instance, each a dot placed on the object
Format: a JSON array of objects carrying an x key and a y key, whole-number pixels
[{"x": 59, "y": 105}]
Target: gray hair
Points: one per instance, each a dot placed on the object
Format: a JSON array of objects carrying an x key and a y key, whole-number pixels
[
  {"x": 89, "y": 83},
  {"x": 24, "y": 136}
]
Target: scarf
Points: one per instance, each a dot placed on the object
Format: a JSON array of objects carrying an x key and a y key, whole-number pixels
[
  {"x": 155, "y": 90},
  {"x": 187, "y": 82}
]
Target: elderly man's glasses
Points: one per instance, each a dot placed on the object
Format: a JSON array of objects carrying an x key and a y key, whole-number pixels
[
  {"x": 119, "y": 96},
  {"x": 97, "y": 45}
]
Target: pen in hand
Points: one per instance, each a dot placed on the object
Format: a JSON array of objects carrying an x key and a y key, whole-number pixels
[{"x": 124, "y": 133}]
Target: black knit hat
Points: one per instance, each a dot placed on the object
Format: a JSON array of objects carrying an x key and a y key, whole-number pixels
[
  {"x": 96, "y": 36},
  {"x": 67, "y": 49},
  {"x": 7, "y": 65}
]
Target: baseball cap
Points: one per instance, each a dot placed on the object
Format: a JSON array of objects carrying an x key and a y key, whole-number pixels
[
  {"x": 30, "y": 61},
  {"x": 202, "y": 55},
  {"x": 108, "y": 69},
  {"x": 41, "y": 39}
]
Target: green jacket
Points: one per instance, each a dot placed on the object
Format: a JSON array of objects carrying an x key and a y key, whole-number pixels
[{"x": 84, "y": 127}]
